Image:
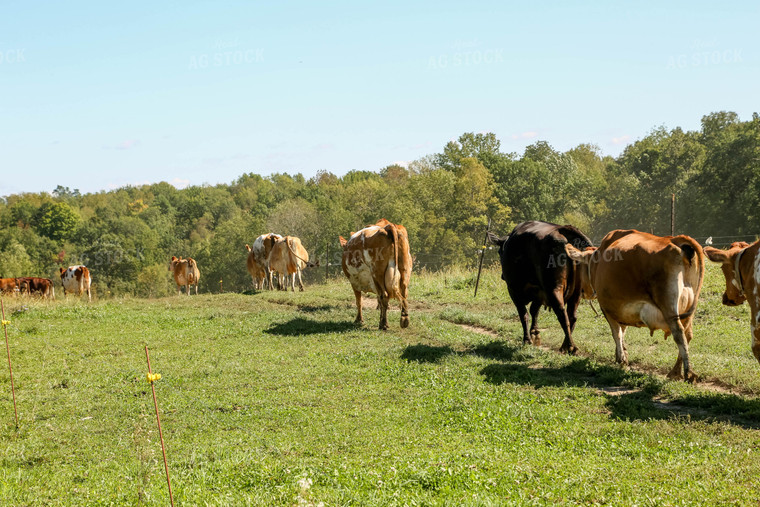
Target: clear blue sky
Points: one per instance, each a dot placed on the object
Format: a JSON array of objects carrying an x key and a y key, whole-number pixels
[{"x": 106, "y": 94}]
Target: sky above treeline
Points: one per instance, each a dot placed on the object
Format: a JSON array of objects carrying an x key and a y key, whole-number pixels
[{"x": 96, "y": 96}]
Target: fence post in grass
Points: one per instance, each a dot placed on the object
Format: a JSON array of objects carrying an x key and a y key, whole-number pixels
[
  {"x": 152, "y": 378},
  {"x": 482, "y": 254},
  {"x": 10, "y": 368},
  {"x": 327, "y": 262}
]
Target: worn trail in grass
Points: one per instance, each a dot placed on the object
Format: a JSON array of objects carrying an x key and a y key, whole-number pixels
[{"x": 276, "y": 399}]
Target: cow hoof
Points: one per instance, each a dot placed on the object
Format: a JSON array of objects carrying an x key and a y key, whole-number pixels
[
  {"x": 571, "y": 351},
  {"x": 527, "y": 341},
  {"x": 404, "y": 322},
  {"x": 383, "y": 327}
]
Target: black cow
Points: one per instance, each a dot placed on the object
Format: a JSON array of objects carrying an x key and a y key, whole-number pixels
[{"x": 537, "y": 271}]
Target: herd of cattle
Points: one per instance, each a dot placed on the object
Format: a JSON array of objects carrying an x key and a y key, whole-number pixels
[
  {"x": 74, "y": 279},
  {"x": 639, "y": 279}
]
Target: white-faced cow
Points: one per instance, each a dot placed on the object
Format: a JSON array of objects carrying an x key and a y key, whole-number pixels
[
  {"x": 262, "y": 247},
  {"x": 537, "y": 272},
  {"x": 185, "y": 273},
  {"x": 76, "y": 279},
  {"x": 643, "y": 280},
  {"x": 255, "y": 269},
  {"x": 376, "y": 259},
  {"x": 741, "y": 268},
  {"x": 288, "y": 257}
]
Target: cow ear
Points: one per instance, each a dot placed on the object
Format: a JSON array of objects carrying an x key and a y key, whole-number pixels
[
  {"x": 62, "y": 270},
  {"x": 343, "y": 241},
  {"x": 493, "y": 238},
  {"x": 717, "y": 255},
  {"x": 248, "y": 247}
]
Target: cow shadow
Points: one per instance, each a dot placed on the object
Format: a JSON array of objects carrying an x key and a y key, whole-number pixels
[
  {"x": 421, "y": 353},
  {"x": 301, "y": 327},
  {"x": 630, "y": 396},
  {"x": 426, "y": 353},
  {"x": 316, "y": 308}
]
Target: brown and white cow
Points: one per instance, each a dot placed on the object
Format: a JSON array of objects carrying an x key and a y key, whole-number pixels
[
  {"x": 76, "y": 279},
  {"x": 185, "y": 273},
  {"x": 643, "y": 280},
  {"x": 288, "y": 257},
  {"x": 36, "y": 285},
  {"x": 262, "y": 247},
  {"x": 377, "y": 259},
  {"x": 256, "y": 270},
  {"x": 741, "y": 268}
]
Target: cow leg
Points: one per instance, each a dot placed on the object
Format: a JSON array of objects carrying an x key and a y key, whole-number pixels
[
  {"x": 557, "y": 303},
  {"x": 682, "y": 336},
  {"x": 382, "y": 304},
  {"x": 196, "y": 288},
  {"x": 269, "y": 282},
  {"x": 618, "y": 334},
  {"x": 300, "y": 280},
  {"x": 292, "y": 282},
  {"x": 756, "y": 334},
  {"x": 522, "y": 313},
  {"x": 402, "y": 295},
  {"x": 359, "y": 319},
  {"x": 535, "y": 334}
]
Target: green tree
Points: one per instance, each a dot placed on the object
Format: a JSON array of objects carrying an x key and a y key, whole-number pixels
[{"x": 56, "y": 220}]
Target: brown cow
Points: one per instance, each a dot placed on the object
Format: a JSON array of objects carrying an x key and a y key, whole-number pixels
[
  {"x": 377, "y": 259},
  {"x": 185, "y": 273},
  {"x": 76, "y": 279},
  {"x": 288, "y": 257},
  {"x": 9, "y": 285},
  {"x": 643, "y": 280},
  {"x": 35, "y": 285},
  {"x": 262, "y": 247},
  {"x": 741, "y": 268},
  {"x": 256, "y": 270}
]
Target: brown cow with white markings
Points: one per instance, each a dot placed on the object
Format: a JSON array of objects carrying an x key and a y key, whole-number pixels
[
  {"x": 288, "y": 257},
  {"x": 76, "y": 279},
  {"x": 741, "y": 268},
  {"x": 185, "y": 273},
  {"x": 377, "y": 259},
  {"x": 643, "y": 280}
]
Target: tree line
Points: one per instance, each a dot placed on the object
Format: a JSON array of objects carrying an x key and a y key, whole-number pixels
[{"x": 127, "y": 236}]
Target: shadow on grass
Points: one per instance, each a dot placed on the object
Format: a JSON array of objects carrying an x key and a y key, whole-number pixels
[
  {"x": 432, "y": 354},
  {"x": 316, "y": 308},
  {"x": 425, "y": 353},
  {"x": 300, "y": 326},
  {"x": 630, "y": 395}
]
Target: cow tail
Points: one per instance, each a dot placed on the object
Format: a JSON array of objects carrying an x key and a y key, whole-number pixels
[
  {"x": 694, "y": 274},
  {"x": 396, "y": 275}
]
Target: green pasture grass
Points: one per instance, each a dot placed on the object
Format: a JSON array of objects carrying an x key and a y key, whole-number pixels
[{"x": 275, "y": 398}]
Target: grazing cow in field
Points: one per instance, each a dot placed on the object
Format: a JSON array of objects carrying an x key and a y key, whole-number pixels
[
  {"x": 185, "y": 273},
  {"x": 537, "y": 272},
  {"x": 35, "y": 285},
  {"x": 741, "y": 268},
  {"x": 643, "y": 280},
  {"x": 76, "y": 279},
  {"x": 377, "y": 259},
  {"x": 288, "y": 257},
  {"x": 256, "y": 270},
  {"x": 262, "y": 247},
  {"x": 9, "y": 285}
]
